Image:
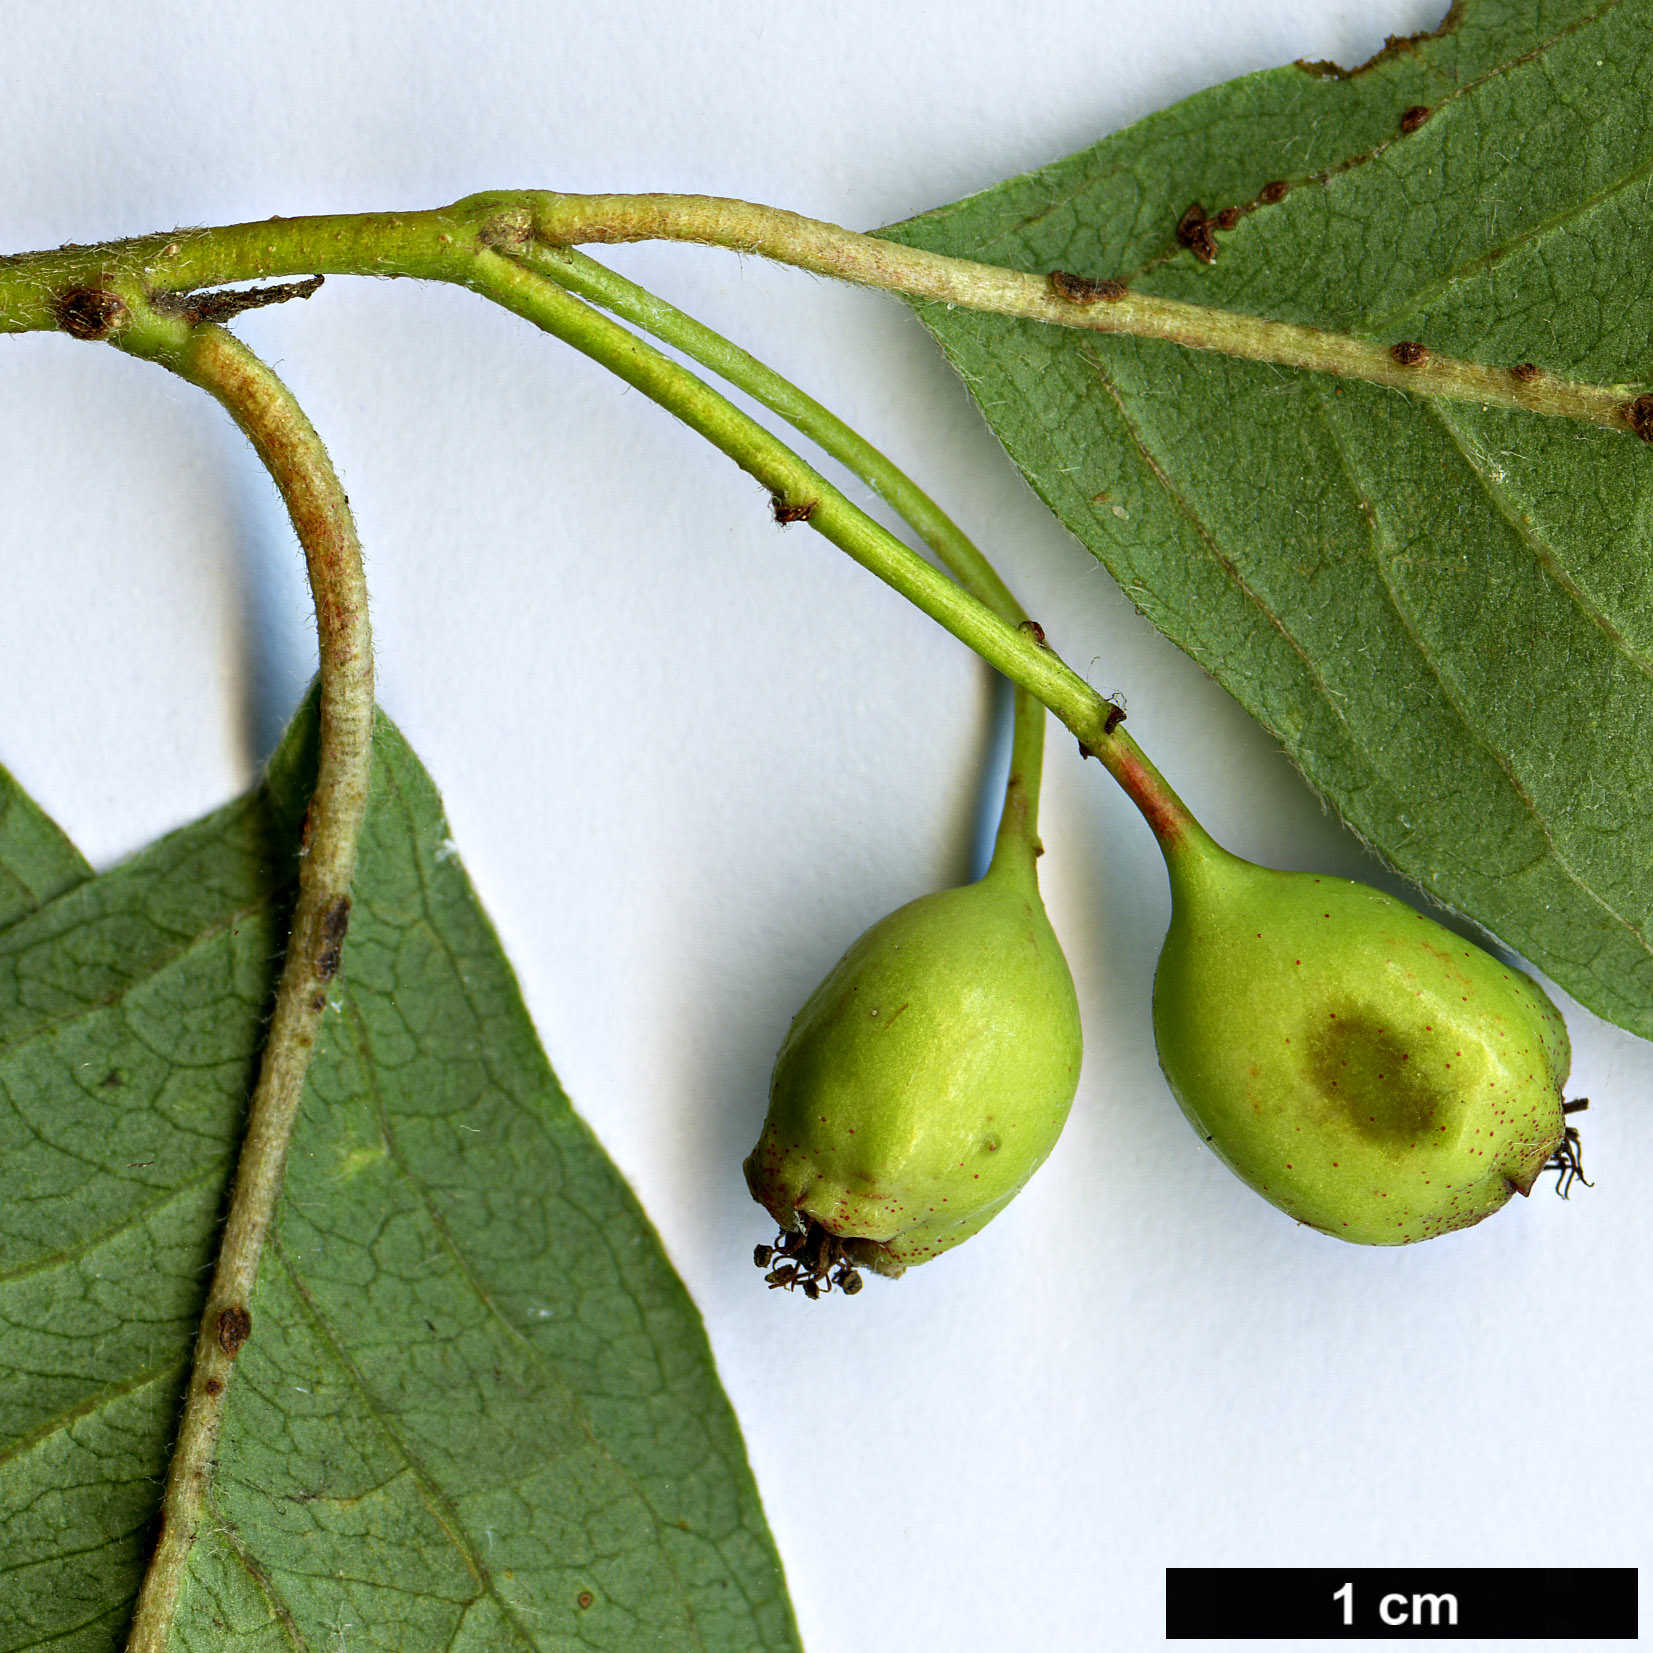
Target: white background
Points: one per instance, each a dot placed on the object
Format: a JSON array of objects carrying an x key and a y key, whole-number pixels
[{"x": 688, "y": 756}]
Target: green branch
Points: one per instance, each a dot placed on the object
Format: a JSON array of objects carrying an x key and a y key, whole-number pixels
[
  {"x": 800, "y": 494},
  {"x": 101, "y": 292},
  {"x": 953, "y": 548},
  {"x": 285, "y": 440},
  {"x": 47, "y": 290}
]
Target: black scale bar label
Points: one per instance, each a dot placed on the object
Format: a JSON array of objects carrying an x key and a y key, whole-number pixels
[{"x": 1407, "y": 1603}]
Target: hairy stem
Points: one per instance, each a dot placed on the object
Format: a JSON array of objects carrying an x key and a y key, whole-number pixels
[
  {"x": 100, "y": 292},
  {"x": 828, "y": 249},
  {"x": 38, "y": 290},
  {"x": 285, "y": 440},
  {"x": 953, "y": 548}
]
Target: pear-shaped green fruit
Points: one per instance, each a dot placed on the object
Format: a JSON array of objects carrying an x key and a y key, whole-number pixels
[
  {"x": 922, "y": 1084},
  {"x": 1371, "y": 1073}
]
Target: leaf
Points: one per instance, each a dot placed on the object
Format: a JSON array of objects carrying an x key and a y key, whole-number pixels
[
  {"x": 36, "y": 861},
  {"x": 477, "y": 1409},
  {"x": 1444, "y": 612}
]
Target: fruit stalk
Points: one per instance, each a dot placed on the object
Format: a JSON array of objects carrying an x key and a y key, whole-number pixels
[{"x": 950, "y": 545}]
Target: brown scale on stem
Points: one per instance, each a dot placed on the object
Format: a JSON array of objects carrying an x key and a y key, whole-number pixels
[
  {"x": 1078, "y": 289},
  {"x": 90, "y": 313},
  {"x": 787, "y": 513}
]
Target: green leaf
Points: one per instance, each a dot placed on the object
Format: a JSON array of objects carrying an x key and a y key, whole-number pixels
[
  {"x": 37, "y": 862},
  {"x": 1444, "y": 612},
  {"x": 477, "y": 1409}
]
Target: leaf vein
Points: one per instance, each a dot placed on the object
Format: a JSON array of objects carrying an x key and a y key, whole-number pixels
[
  {"x": 94, "y": 1402},
  {"x": 435, "y": 1500},
  {"x": 132, "y": 1219},
  {"x": 1545, "y": 555},
  {"x": 1498, "y": 757}
]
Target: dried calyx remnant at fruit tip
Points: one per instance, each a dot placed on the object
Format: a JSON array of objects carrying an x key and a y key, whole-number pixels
[
  {"x": 921, "y": 1085},
  {"x": 1368, "y": 1071}
]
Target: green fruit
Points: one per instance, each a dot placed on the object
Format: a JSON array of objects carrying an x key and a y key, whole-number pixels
[
  {"x": 1371, "y": 1073},
  {"x": 922, "y": 1084}
]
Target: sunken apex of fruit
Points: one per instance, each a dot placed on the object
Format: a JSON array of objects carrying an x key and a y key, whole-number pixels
[{"x": 920, "y": 1086}]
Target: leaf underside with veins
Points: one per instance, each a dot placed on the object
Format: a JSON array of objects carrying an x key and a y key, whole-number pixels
[
  {"x": 1444, "y": 613},
  {"x": 477, "y": 1409}
]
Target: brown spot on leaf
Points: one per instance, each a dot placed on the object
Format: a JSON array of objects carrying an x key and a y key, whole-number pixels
[
  {"x": 1227, "y": 218},
  {"x": 1411, "y": 119},
  {"x": 1394, "y": 46},
  {"x": 1194, "y": 233},
  {"x": 213, "y": 1387},
  {"x": 1078, "y": 289},
  {"x": 1526, "y": 372},
  {"x": 1409, "y": 353},
  {"x": 585, "y": 1599},
  {"x": 1276, "y": 189}
]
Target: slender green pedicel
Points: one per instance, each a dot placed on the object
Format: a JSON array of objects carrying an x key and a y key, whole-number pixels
[{"x": 928, "y": 1077}]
